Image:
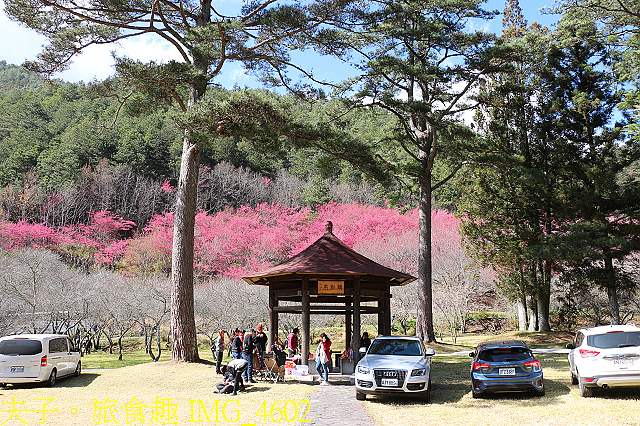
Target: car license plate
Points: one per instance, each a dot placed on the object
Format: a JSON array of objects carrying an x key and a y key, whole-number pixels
[
  {"x": 17, "y": 369},
  {"x": 623, "y": 362},
  {"x": 507, "y": 371},
  {"x": 389, "y": 382}
]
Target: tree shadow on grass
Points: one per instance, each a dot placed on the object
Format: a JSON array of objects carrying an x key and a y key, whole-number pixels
[
  {"x": 81, "y": 381},
  {"x": 553, "y": 390}
]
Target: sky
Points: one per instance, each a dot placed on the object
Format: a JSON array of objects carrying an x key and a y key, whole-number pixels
[{"x": 18, "y": 43}]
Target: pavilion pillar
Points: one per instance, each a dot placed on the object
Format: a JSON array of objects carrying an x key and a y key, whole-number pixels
[
  {"x": 347, "y": 324},
  {"x": 384, "y": 314},
  {"x": 381, "y": 315},
  {"x": 273, "y": 317},
  {"x": 305, "y": 320},
  {"x": 387, "y": 312},
  {"x": 356, "y": 319}
]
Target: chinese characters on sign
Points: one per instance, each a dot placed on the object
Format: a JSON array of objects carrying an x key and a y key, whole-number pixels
[{"x": 330, "y": 287}]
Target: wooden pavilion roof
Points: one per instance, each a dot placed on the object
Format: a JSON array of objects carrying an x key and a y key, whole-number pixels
[{"x": 329, "y": 256}]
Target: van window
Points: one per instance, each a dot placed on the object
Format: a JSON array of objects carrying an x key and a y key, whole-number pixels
[
  {"x": 20, "y": 347},
  {"x": 58, "y": 345}
]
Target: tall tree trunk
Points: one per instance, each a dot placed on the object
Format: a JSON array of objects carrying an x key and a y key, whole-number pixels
[
  {"x": 612, "y": 294},
  {"x": 544, "y": 296},
  {"x": 183, "y": 326},
  {"x": 184, "y": 344},
  {"x": 533, "y": 314},
  {"x": 424, "y": 323},
  {"x": 521, "y": 303}
]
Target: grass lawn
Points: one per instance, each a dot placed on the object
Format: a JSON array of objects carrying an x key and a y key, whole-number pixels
[
  {"x": 452, "y": 404},
  {"x": 151, "y": 393}
]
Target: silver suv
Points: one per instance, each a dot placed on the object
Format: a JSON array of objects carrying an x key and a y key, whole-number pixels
[
  {"x": 33, "y": 358},
  {"x": 605, "y": 357},
  {"x": 395, "y": 365}
]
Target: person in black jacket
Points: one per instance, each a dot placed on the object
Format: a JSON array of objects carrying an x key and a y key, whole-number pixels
[
  {"x": 236, "y": 345},
  {"x": 232, "y": 381},
  {"x": 261, "y": 345},
  {"x": 248, "y": 346}
]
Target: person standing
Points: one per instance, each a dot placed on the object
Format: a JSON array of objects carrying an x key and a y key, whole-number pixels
[
  {"x": 248, "y": 346},
  {"x": 292, "y": 342},
  {"x": 219, "y": 351},
  {"x": 323, "y": 356},
  {"x": 236, "y": 345},
  {"x": 365, "y": 342},
  {"x": 261, "y": 345}
]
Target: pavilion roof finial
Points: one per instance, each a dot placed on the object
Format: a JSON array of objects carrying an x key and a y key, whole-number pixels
[{"x": 328, "y": 227}]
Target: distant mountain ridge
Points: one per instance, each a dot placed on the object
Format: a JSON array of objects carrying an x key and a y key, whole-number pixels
[{"x": 14, "y": 77}]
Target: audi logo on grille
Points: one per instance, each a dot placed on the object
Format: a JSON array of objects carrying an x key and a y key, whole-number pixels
[{"x": 388, "y": 374}]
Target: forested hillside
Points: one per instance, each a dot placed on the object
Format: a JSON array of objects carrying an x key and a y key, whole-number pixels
[{"x": 64, "y": 154}]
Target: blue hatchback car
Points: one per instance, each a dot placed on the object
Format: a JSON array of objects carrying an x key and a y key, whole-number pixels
[{"x": 505, "y": 366}]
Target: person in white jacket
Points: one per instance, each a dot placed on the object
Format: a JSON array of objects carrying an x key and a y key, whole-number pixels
[{"x": 323, "y": 358}]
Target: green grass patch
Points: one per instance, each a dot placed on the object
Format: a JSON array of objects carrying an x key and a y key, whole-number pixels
[{"x": 134, "y": 355}]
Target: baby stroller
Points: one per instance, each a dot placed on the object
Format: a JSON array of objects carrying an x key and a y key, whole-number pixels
[{"x": 275, "y": 366}]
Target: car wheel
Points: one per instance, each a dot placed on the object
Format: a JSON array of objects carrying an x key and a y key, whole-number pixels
[
  {"x": 476, "y": 394},
  {"x": 361, "y": 396},
  {"x": 426, "y": 397},
  {"x": 585, "y": 391},
  {"x": 78, "y": 369},
  {"x": 52, "y": 378},
  {"x": 574, "y": 379},
  {"x": 540, "y": 392}
]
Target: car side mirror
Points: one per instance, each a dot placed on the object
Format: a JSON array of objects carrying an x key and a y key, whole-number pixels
[
  {"x": 571, "y": 346},
  {"x": 430, "y": 352},
  {"x": 362, "y": 350},
  {"x": 472, "y": 354}
]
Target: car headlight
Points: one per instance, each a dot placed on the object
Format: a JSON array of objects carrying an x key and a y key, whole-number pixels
[
  {"x": 419, "y": 372},
  {"x": 363, "y": 369}
]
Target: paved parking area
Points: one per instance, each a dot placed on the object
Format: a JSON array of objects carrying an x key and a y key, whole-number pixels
[{"x": 336, "y": 404}]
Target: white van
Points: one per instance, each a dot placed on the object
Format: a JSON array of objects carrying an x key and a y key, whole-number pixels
[{"x": 32, "y": 358}]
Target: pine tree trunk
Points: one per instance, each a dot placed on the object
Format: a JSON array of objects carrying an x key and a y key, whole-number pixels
[
  {"x": 184, "y": 344},
  {"x": 612, "y": 294},
  {"x": 424, "y": 323},
  {"x": 183, "y": 327},
  {"x": 533, "y": 315},
  {"x": 522, "y": 312}
]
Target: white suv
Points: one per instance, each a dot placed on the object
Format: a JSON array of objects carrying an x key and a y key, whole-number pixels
[
  {"x": 29, "y": 358},
  {"x": 394, "y": 365},
  {"x": 605, "y": 357}
]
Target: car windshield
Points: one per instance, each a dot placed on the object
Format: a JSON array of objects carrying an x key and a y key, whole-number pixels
[
  {"x": 614, "y": 340},
  {"x": 402, "y": 347},
  {"x": 505, "y": 354},
  {"x": 20, "y": 347}
]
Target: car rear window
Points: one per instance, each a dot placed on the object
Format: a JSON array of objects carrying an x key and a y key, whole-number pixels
[
  {"x": 505, "y": 354},
  {"x": 395, "y": 347},
  {"x": 20, "y": 347},
  {"x": 614, "y": 340}
]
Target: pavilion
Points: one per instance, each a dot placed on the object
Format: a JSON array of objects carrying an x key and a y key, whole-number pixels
[{"x": 330, "y": 278}]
